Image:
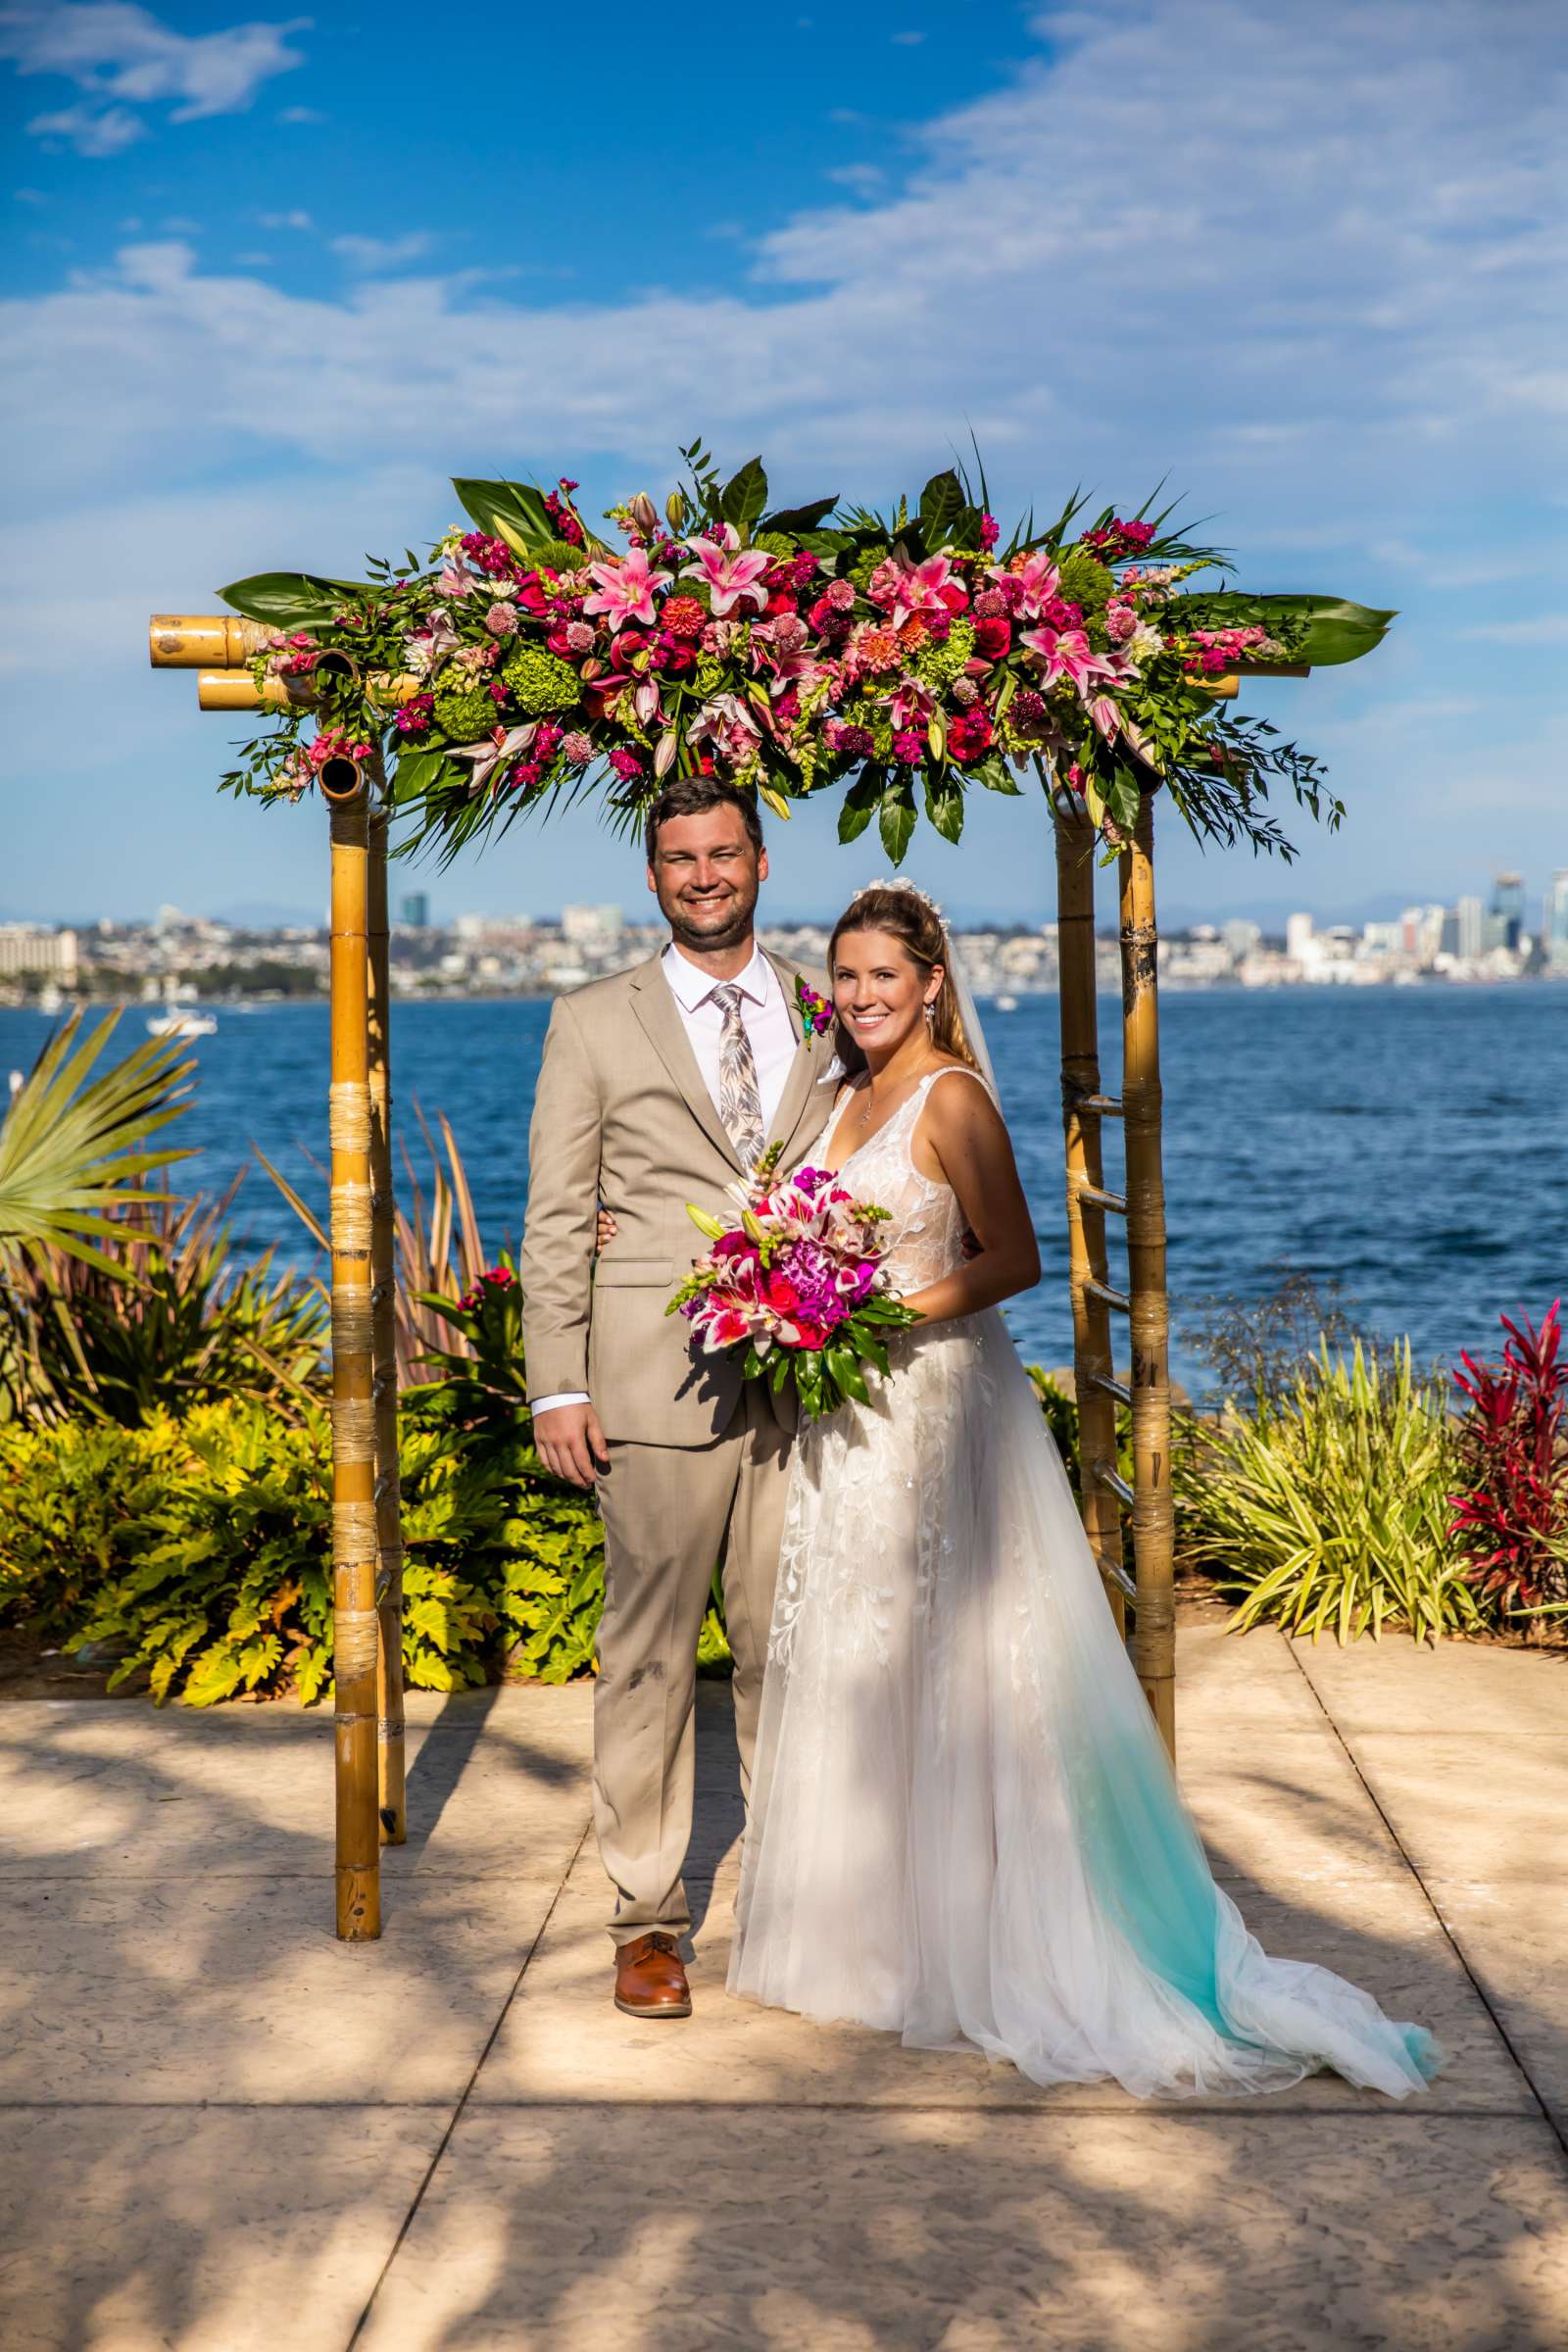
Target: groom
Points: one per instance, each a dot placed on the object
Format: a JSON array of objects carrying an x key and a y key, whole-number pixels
[{"x": 662, "y": 1086}]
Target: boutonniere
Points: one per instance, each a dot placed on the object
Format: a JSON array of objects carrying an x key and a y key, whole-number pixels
[{"x": 816, "y": 1013}]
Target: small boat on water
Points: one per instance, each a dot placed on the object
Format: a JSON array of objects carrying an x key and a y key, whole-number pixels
[
  {"x": 179, "y": 1021},
  {"x": 1006, "y": 1004}
]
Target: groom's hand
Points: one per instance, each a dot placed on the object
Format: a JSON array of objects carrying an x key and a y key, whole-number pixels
[{"x": 571, "y": 1443}]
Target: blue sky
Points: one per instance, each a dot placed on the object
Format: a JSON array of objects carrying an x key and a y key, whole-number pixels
[{"x": 269, "y": 283}]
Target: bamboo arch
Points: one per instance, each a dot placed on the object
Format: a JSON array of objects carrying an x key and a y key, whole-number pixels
[{"x": 367, "y": 1532}]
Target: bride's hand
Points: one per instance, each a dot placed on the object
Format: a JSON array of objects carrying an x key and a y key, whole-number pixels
[{"x": 604, "y": 1231}]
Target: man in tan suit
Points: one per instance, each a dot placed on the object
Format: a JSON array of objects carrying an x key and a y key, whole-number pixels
[{"x": 659, "y": 1087}]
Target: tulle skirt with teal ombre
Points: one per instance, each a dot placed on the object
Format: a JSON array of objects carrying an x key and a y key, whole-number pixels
[{"x": 964, "y": 1828}]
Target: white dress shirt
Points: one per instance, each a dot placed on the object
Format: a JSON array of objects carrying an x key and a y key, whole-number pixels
[{"x": 765, "y": 1018}]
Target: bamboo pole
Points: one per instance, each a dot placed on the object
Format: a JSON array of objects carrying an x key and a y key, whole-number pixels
[
  {"x": 1153, "y": 1526},
  {"x": 355, "y": 1642},
  {"x": 1092, "y": 1352},
  {"x": 237, "y": 690},
  {"x": 391, "y": 1802},
  {"x": 205, "y": 640}
]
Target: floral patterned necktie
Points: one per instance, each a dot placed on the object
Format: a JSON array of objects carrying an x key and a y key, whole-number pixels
[{"x": 740, "y": 1099}]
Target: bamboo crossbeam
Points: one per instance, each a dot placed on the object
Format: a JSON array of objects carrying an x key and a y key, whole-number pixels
[
  {"x": 237, "y": 690},
  {"x": 204, "y": 639},
  {"x": 1108, "y": 1297},
  {"x": 356, "y": 1643},
  {"x": 1153, "y": 1520},
  {"x": 1114, "y": 1202},
  {"x": 1115, "y": 1574},
  {"x": 1113, "y": 1387},
  {"x": 1086, "y": 1224},
  {"x": 391, "y": 1801}
]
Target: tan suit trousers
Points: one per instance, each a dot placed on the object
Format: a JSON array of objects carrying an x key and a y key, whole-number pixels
[{"x": 671, "y": 1513}]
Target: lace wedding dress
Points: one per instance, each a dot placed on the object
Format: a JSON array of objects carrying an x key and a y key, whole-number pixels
[{"x": 963, "y": 1825}]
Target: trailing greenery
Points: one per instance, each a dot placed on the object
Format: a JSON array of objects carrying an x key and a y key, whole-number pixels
[{"x": 1329, "y": 1509}]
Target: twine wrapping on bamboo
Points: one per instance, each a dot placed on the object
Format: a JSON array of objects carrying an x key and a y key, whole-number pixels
[
  {"x": 352, "y": 1532},
  {"x": 352, "y": 1322},
  {"x": 348, "y": 1117},
  {"x": 356, "y": 1639},
  {"x": 354, "y": 1429},
  {"x": 351, "y": 1220}
]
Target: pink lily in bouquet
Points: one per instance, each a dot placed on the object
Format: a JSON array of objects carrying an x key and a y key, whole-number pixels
[
  {"x": 731, "y": 579},
  {"x": 627, "y": 590}
]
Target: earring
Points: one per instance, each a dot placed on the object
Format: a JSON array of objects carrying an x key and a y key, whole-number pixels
[{"x": 930, "y": 1016}]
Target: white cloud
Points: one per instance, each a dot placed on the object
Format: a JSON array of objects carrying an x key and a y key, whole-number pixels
[
  {"x": 120, "y": 56},
  {"x": 295, "y": 219},
  {"x": 376, "y": 256},
  {"x": 90, "y": 131},
  {"x": 301, "y": 113}
]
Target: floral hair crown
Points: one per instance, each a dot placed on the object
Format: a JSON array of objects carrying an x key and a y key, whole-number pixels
[{"x": 909, "y": 889}]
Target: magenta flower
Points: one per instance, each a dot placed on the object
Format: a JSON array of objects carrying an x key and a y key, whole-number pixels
[
  {"x": 1029, "y": 583},
  {"x": 626, "y": 589},
  {"x": 732, "y": 578}
]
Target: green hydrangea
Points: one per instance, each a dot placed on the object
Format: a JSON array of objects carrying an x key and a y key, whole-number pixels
[
  {"x": 464, "y": 710},
  {"x": 862, "y": 569},
  {"x": 708, "y": 677},
  {"x": 540, "y": 682},
  {"x": 940, "y": 665},
  {"x": 1085, "y": 582}
]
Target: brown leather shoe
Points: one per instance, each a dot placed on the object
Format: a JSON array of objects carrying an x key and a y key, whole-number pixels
[{"x": 650, "y": 1978}]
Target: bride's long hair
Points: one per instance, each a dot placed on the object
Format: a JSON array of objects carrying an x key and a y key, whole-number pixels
[{"x": 913, "y": 919}]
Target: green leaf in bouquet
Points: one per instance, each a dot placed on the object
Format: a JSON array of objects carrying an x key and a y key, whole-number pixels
[
  {"x": 844, "y": 1368},
  {"x": 292, "y": 599},
  {"x": 744, "y": 497},
  {"x": 778, "y": 1371},
  {"x": 861, "y": 804},
  {"x": 944, "y": 804},
  {"x": 942, "y": 503},
  {"x": 1335, "y": 630},
  {"x": 797, "y": 520},
  {"x": 897, "y": 818}
]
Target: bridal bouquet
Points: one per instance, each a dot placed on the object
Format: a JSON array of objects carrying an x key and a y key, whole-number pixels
[{"x": 798, "y": 1285}]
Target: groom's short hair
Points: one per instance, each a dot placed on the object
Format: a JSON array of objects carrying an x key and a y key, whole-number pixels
[{"x": 694, "y": 796}]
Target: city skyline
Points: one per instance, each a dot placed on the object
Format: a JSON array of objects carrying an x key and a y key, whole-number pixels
[{"x": 1318, "y": 304}]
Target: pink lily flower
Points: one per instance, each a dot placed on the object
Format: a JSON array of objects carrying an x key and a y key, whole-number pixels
[
  {"x": 903, "y": 588},
  {"x": 1068, "y": 653},
  {"x": 1030, "y": 584},
  {"x": 626, "y": 589},
  {"x": 912, "y": 704},
  {"x": 1105, "y": 716},
  {"x": 732, "y": 578}
]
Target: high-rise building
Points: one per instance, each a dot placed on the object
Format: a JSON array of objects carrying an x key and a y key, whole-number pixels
[
  {"x": 1506, "y": 912},
  {"x": 414, "y": 911},
  {"x": 1299, "y": 938},
  {"x": 1467, "y": 929},
  {"x": 1554, "y": 925}
]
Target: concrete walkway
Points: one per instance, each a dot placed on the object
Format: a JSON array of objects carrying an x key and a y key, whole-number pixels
[{"x": 222, "y": 2129}]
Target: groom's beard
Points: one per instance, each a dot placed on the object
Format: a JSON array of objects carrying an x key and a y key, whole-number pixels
[{"x": 719, "y": 922}]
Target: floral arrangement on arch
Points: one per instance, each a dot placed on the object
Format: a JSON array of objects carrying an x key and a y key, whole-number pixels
[{"x": 906, "y": 656}]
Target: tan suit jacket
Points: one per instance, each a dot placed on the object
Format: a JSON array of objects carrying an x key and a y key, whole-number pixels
[{"x": 622, "y": 1115}]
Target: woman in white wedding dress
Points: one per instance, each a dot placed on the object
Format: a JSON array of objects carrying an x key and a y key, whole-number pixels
[{"x": 963, "y": 1825}]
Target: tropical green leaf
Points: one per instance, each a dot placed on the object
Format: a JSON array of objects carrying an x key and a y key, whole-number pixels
[
  {"x": 942, "y": 503},
  {"x": 861, "y": 805},
  {"x": 744, "y": 497},
  {"x": 71, "y": 1144},
  {"x": 799, "y": 519},
  {"x": 292, "y": 599},
  {"x": 944, "y": 805},
  {"x": 1336, "y": 630},
  {"x": 897, "y": 818}
]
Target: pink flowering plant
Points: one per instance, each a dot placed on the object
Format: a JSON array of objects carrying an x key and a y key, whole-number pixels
[
  {"x": 815, "y": 1010},
  {"x": 901, "y": 659},
  {"x": 796, "y": 1289}
]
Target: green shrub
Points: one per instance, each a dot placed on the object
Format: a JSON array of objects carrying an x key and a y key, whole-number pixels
[
  {"x": 1330, "y": 1508},
  {"x": 201, "y": 1550}
]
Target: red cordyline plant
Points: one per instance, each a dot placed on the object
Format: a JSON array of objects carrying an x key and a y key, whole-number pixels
[{"x": 1511, "y": 1518}]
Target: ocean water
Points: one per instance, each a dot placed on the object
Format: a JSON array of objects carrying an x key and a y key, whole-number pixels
[{"x": 1411, "y": 1142}]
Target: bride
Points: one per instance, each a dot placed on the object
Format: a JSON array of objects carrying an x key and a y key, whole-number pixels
[{"x": 963, "y": 1825}]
